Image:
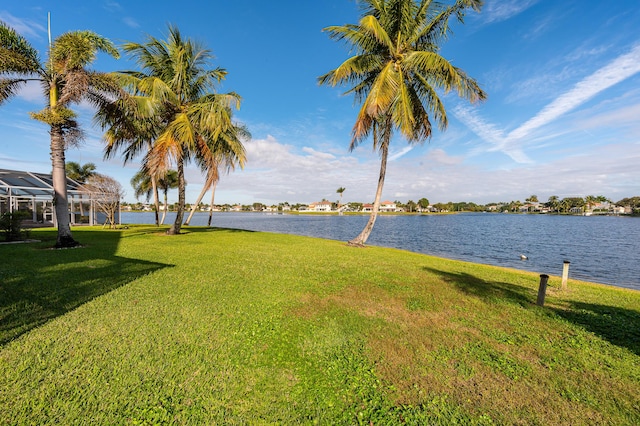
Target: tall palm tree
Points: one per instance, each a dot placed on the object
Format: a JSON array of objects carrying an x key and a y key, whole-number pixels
[
  {"x": 141, "y": 184},
  {"x": 169, "y": 180},
  {"x": 554, "y": 202},
  {"x": 227, "y": 158},
  {"x": 590, "y": 201},
  {"x": 340, "y": 191},
  {"x": 396, "y": 73},
  {"x": 66, "y": 80},
  {"x": 177, "y": 91},
  {"x": 80, "y": 173},
  {"x": 144, "y": 184},
  {"x": 133, "y": 135}
]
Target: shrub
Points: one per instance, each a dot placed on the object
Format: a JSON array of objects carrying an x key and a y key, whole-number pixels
[{"x": 11, "y": 225}]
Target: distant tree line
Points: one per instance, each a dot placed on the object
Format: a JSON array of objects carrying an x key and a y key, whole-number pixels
[{"x": 553, "y": 205}]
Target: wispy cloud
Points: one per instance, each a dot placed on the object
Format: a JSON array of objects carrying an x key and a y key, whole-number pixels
[
  {"x": 620, "y": 69},
  {"x": 130, "y": 22},
  {"x": 501, "y": 10},
  {"x": 489, "y": 133},
  {"x": 24, "y": 27},
  {"x": 400, "y": 153},
  {"x": 511, "y": 144},
  {"x": 112, "y": 6}
]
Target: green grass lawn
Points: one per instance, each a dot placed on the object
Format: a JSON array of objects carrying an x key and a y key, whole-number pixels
[{"x": 236, "y": 327}]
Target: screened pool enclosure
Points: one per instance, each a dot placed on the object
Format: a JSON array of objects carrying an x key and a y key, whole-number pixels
[{"x": 33, "y": 192}]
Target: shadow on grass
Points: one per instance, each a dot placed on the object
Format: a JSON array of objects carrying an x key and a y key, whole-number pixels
[
  {"x": 38, "y": 284},
  {"x": 216, "y": 229},
  {"x": 135, "y": 230},
  {"x": 489, "y": 291},
  {"x": 619, "y": 326}
]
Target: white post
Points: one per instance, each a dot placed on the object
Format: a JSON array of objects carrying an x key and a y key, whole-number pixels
[{"x": 565, "y": 274}]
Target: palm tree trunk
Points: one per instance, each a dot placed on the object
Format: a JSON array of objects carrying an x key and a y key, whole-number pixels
[
  {"x": 213, "y": 194},
  {"x": 164, "y": 210},
  {"x": 205, "y": 188},
  {"x": 156, "y": 196},
  {"x": 177, "y": 225},
  {"x": 64, "y": 239},
  {"x": 156, "y": 200},
  {"x": 361, "y": 239},
  {"x": 81, "y": 207}
]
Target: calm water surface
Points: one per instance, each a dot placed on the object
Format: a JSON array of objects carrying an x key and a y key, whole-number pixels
[{"x": 603, "y": 249}]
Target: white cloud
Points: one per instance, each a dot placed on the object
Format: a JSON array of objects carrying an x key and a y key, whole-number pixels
[
  {"x": 24, "y": 27},
  {"x": 513, "y": 143},
  {"x": 610, "y": 171},
  {"x": 502, "y": 10},
  {"x": 130, "y": 22},
  {"x": 439, "y": 156},
  {"x": 401, "y": 153},
  {"x": 317, "y": 154},
  {"x": 620, "y": 69}
]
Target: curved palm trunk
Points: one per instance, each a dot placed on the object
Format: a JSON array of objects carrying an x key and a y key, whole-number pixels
[
  {"x": 156, "y": 196},
  {"x": 361, "y": 239},
  {"x": 166, "y": 206},
  {"x": 177, "y": 225},
  {"x": 64, "y": 239},
  {"x": 81, "y": 207},
  {"x": 205, "y": 188},
  {"x": 213, "y": 194}
]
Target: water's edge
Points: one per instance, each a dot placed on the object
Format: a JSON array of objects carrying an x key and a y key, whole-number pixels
[{"x": 600, "y": 249}]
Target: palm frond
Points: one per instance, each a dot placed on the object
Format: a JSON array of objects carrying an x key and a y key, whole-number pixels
[
  {"x": 9, "y": 87},
  {"x": 17, "y": 56},
  {"x": 396, "y": 72},
  {"x": 77, "y": 49}
]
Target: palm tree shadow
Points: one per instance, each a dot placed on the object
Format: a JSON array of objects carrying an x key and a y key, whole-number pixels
[
  {"x": 40, "y": 286},
  {"x": 489, "y": 291},
  {"x": 619, "y": 326}
]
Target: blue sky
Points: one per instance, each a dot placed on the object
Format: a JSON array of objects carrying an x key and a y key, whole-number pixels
[{"x": 562, "y": 116}]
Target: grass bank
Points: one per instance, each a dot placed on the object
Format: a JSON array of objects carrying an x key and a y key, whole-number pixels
[{"x": 237, "y": 327}]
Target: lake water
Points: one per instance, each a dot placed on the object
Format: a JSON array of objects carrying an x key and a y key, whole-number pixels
[{"x": 604, "y": 249}]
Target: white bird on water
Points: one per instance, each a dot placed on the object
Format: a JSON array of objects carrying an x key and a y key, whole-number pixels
[{"x": 523, "y": 257}]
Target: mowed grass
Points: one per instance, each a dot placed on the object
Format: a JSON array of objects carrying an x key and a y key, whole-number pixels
[{"x": 236, "y": 327}]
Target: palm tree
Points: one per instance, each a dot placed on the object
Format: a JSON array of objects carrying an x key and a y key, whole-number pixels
[
  {"x": 396, "y": 73},
  {"x": 80, "y": 174},
  {"x": 178, "y": 93},
  {"x": 590, "y": 200},
  {"x": 65, "y": 80},
  {"x": 515, "y": 205},
  {"x": 169, "y": 180},
  {"x": 141, "y": 184},
  {"x": 532, "y": 199},
  {"x": 340, "y": 191},
  {"x": 228, "y": 158},
  {"x": 126, "y": 131},
  {"x": 553, "y": 202}
]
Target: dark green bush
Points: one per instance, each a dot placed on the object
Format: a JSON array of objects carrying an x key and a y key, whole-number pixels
[{"x": 11, "y": 225}]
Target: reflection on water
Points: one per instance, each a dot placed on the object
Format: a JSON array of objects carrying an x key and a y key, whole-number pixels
[{"x": 600, "y": 249}]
